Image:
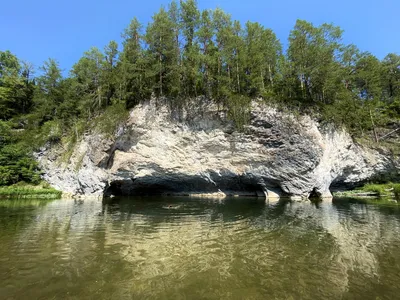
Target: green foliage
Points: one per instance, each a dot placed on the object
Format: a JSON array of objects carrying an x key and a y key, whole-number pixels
[
  {"x": 396, "y": 190},
  {"x": 71, "y": 138},
  {"x": 52, "y": 131},
  {"x": 379, "y": 189},
  {"x": 263, "y": 52},
  {"x": 133, "y": 73},
  {"x": 239, "y": 110},
  {"x": 161, "y": 54},
  {"x": 108, "y": 122},
  {"x": 16, "y": 164},
  {"x": 23, "y": 190},
  {"x": 313, "y": 65},
  {"x": 386, "y": 189},
  {"x": 16, "y": 86}
]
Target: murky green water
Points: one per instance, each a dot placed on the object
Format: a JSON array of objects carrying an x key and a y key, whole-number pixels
[{"x": 198, "y": 249}]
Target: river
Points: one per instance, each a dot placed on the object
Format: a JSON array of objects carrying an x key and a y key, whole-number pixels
[{"x": 183, "y": 248}]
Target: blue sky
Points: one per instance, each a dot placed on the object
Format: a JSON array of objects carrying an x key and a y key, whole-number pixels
[{"x": 37, "y": 30}]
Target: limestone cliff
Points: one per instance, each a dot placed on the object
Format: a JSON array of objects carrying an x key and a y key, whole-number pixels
[{"x": 198, "y": 152}]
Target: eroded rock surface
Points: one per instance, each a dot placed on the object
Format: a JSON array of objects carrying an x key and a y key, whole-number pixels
[{"x": 158, "y": 152}]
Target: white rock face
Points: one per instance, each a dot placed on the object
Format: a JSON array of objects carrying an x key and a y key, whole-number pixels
[{"x": 199, "y": 153}]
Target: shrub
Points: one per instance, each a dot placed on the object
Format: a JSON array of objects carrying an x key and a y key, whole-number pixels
[
  {"x": 396, "y": 190},
  {"x": 376, "y": 188},
  {"x": 112, "y": 117},
  {"x": 239, "y": 110}
]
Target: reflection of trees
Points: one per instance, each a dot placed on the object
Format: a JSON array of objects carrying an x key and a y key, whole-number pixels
[{"x": 178, "y": 248}]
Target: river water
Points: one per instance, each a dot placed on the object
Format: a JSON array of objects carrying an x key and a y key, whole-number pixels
[{"x": 182, "y": 248}]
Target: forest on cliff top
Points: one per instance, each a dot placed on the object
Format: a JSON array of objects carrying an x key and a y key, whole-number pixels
[{"x": 185, "y": 53}]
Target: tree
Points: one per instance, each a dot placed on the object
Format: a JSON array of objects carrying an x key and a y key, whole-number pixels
[
  {"x": 222, "y": 74},
  {"x": 89, "y": 75},
  {"x": 15, "y": 162},
  {"x": 255, "y": 63},
  {"x": 205, "y": 36},
  {"x": 49, "y": 94},
  {"x": 109, "y": 73},
  {"x": 161, "y": 53},
  {"x": 312, "y": 51},
  {"x": 175, "y": 77},
  {"x": 133, "y": 80},
  {"x": 368, "y": 77},
  {"x": 391, "y": 84},
  {"x": 391, "y": 76},
  {"x": 16, "y": 86},
  {"x": 190, "y": 17},
  {"x": 236, "y": 59}
]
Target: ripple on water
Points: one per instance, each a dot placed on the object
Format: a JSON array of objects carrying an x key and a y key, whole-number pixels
[{"x": 176, "y": 248}]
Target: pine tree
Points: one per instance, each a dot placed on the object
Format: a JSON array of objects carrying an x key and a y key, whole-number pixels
[
  {"x": 133, "y": 82},
  {"x": 50, "y": 95},
  {"x": 190, "y": 17},
  {"x": 174, "y": 76},
  {"x": 205, "y": 36},
  {"x": 222, "y": 73},
  {"x": 161, "y": 52},
  {"x": 237, "y": 51},
  {"x": 255, "y": 69},
  {"x": 109, "y": 72},
  {"x": 89, "y": 73}
]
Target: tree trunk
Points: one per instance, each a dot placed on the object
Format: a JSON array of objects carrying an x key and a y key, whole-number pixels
[
  {"x": 160, "y": 66},
  {"x": 270, "y": 75},
  {"x": 99, "y": 96},
  {"x": 262, "y": 80},
  {"x": 373, "y": 127},
  {"x": 389, "y": 134},
  {"x": 237, "y": 75}
]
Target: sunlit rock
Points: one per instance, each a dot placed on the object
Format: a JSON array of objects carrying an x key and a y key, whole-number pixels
[{"x": 198, "y": 152}]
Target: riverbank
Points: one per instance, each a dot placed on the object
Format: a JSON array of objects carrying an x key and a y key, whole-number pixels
[
  {"x": 43, "y": 191},
  {"x": 373, "y": 190}
]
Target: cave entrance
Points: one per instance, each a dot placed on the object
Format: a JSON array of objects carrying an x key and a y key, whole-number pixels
[
  {"x": 131, "y": 187},
  {"x": 184, "y": 185}
]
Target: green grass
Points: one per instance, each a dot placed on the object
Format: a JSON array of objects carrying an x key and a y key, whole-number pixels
[
  {"x": 70, "y": 140},
  {"x": 379, "y": 189},
  {"x": 396, "y": 190},
  {"x": 23, "y": 190}
]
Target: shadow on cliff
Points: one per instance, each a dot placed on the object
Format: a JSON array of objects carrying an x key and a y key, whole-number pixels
[{"x": 184, "y": 185}]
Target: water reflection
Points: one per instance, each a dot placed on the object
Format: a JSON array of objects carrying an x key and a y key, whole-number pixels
[{"x": 199, "y": 249}]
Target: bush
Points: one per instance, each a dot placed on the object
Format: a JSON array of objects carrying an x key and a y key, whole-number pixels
[
  {"x": 112, "y": 117},
  {"x": 51, "y": 131},
  {"x": 239, "y": 110},
  {"x": 24, "y": 190},
  {"x": 380, "y": 189},
  {"x": 396, "y": 190},
  {"x": 16, "y": 164}
]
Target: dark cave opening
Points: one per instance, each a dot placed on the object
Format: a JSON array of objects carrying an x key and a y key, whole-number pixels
[{"x": 184, "y": 185}]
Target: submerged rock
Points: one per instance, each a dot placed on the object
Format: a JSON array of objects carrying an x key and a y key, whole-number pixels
[{"x": 198, "y": 152}]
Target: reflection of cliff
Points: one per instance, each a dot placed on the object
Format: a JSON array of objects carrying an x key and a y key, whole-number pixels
[
  {"x": 363, "y": 235},
  {"x": 213, "y": 250}
]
